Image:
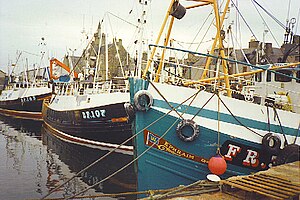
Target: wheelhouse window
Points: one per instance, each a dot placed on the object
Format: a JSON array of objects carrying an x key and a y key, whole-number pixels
[{"x": 284, "y": 76}]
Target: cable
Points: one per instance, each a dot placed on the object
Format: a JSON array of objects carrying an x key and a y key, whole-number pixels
[
  {"x": 244, "y": 19},
  {"x": 113, "y": 150},
  {"x": 285, "y": 139},
  {"x": 238, "y": 119},
  {"x": 276, "y": 20}
]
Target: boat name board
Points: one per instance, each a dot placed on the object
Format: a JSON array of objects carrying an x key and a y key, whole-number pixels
[
  {"x": 155, "y": 141},
  {"x": 245, "y": 156},
  {"x": 93, "y": 114},
  {"x": 233, "y": 152},
  {"x": 28, "y": 99}
]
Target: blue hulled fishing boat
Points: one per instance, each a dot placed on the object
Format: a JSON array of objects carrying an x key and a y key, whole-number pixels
[{"x": 186, "y": 129}]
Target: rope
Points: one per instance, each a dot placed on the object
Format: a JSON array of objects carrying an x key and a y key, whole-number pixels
[
  {"x": 125, "y": 166},
  {"x": 203, "y": 106},
  {"x": 238, "y": 119},
  {"x": 244, "y": 20},
  {"x": 213, "y": 187},
  {"x": 268, "y": 114},
  {"x": 165, "y": 99},
  {"x": 218, "y": 149},
  {"x": 128, "y": 164},
  {"x": 285, "y": 139},
  {"x": 204, "y": 187},
  {"x": 272, "y": 16},
  {"x": 297, "y": 134},
  {"x": 113, "y": 150}
]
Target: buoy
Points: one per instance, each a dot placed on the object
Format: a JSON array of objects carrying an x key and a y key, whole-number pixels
[{"x": 217, "y": 165}]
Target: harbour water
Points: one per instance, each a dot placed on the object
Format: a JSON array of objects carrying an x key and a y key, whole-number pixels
[{"x": 33, "y": 162}]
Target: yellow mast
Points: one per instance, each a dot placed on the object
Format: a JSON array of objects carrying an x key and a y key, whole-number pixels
[
  {"x": 157, "y": 76},
  {"x": 208, "y": 61},
  {"x": 158, "y": 38},
  {"x": 218, "y": 39}
]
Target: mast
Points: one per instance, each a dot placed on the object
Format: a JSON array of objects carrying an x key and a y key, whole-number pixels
[
  {"x": 106, "y": 57},
  {"x": 178, "y": 11},
  {"x": 158, "y": 38},
  {"x": 142, "y": 22}
]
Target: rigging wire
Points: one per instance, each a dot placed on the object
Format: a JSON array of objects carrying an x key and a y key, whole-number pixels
[
  {"x": 288, "y": 12},
  {"x": 167, "y": 131},
  {"x": 243, "y": 19},
  {"x": 298, "y": 18},
  {"x": 113, "y": 150},
  {"x": 272, "y": 16},
  {"x": 265, "y": 23},
  {"x": 238, "y": 119}
]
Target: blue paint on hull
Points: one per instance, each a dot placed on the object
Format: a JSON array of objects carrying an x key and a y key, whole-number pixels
[{"x": 158, "y": 169}]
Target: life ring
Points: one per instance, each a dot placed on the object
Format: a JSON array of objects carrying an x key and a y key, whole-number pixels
[
  {"x": 187, "y": 123},
  {"x": 129, "y": 109},
  {"x": 143, "y": 100},
  {"x": 289, "y": 153},
  {"x": 271, "y": 143}
]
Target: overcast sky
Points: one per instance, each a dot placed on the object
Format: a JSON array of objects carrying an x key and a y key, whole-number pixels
[{"x": 63, "y": 24}]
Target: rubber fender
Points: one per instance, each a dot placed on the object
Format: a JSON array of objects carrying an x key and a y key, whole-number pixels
[
  {"x": 185, "y": 123},
  {"x": 143, "y": 100},
  {"x": 271, "y": 143}
]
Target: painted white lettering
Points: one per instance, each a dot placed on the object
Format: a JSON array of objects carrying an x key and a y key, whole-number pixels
[
  {"x": 92, "y": 114},
  {"x": 83, "y": 115},
  {"x": 87, "y": 114},
  {"x": 97, "y": 113},
  {"x": 232, "y": 151},
  {"x": 251, "y": 159},
  {"x": 103, "y": 113}
]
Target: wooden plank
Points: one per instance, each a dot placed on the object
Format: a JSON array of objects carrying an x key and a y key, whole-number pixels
[
  {"x": 289, "y": 187},
  {"x": 270, "y": 186},
  {"x": 277, "y": 178},
  {"x": 228, "y": 182},
  {"x": 265, "y": 190}
]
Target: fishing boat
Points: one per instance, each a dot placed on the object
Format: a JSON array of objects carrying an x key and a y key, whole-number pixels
[
  {"x": 89, "y": 106},
  {"x": 186, "y": 129},
  {"x": 23, "y": 97}
]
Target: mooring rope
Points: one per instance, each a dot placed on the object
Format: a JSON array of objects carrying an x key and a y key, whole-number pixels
[
  {"x": 164, "y": 98},
  {"x": 113, "y": 150},
  {"x": 238, "y": 119},
  {"x": 125, "y": 166},
  {"x": 128, "y": 164},
  {"x": 198, "y": 187},
  {"x": 214, "y": 187}
]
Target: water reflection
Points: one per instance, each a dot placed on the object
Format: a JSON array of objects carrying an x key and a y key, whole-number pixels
[
  {"x": 33, "y": 162},
  {"x": 78, "y": 157}
]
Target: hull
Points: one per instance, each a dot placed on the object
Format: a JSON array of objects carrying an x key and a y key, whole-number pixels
[
  {"x": 99, "y": 121},
  {"x": 75, "y": 156},
  {"x": 234, "y": 127},
  {"x": 29, "y": 107}
]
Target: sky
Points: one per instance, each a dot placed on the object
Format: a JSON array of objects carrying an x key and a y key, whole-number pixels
[{"x": 58, "y": 27}]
